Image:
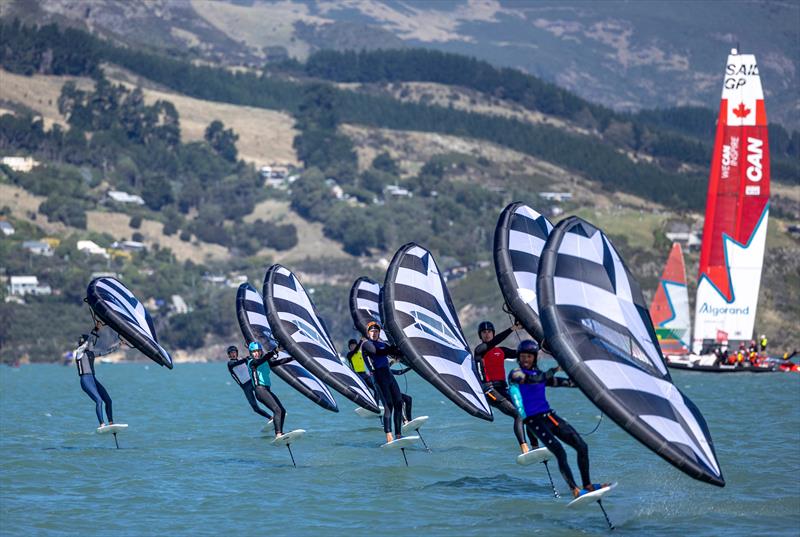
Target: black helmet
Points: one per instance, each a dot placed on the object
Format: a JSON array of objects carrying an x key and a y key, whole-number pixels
[
  {"x": 485, "y": 325},
  {"x": 528, "y": 346},
  {"x": 231, "y": 349},
  {"x": 352, "y": 342}
]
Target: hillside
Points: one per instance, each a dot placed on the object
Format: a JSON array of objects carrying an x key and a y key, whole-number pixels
[
  {"x": 473, "y": 178},
  {"x": 626, "y": 55}
]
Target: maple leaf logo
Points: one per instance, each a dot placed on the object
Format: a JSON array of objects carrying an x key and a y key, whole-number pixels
[{"x": 741, "y": 111}]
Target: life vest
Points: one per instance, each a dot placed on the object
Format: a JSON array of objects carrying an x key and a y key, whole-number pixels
[
  {"x": 260, "y": 374},
  {"x": 494, "y": 365},
  {"x": 533, "y": 396},
  {"x": 84, "y": 360},
  {"x": 358, "y": 362},
  {"x": 241, "y": 373}
]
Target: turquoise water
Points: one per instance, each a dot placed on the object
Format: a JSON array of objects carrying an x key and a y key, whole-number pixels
[{"x": 195, "y": 461}]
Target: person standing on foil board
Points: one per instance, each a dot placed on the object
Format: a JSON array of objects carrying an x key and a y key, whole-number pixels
[
  {"x": 259, "y": 364},
  {"x": 527, "y": 388},
  {"x": 238, "y": 369}
]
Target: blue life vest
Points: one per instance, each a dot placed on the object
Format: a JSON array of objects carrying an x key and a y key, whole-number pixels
[{"x": 533, "y": 397}]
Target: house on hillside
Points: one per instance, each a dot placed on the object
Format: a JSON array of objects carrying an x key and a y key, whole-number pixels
[
  {"x": 556, "y": 196},
  {"x": 129, "y": 246},
  {"x": 20, "y": 164},
  {"x": 398, "y": 191},
  {"x": 6, "y": 228},
  {"x": 27, "y": 285},
  {"x": 38, "y": 248},
  {"x": 123, "y": 197},
  {"x": 178, "y": 304},
  {"x": 92, "y": 248}
]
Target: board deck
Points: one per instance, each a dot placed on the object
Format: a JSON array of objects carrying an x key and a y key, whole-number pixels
[
  {"x": 590, "y": 497},
  {"x": 533, "y": 456},
  {"x": 414, "y": 424},
  {"x": 403, "y": 442},
  {"x": 115, "y": 428},
  {"x": 288, "y": 438},
  {"x": 365, "y": 413}
]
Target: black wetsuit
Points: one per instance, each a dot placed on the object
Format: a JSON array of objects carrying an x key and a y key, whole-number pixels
[
  {"x": 376, "y": 355},
  {"x": 363, "y": 375},
  {"x": 407, "y": 400},
  {"x": 261, "y": 382},
  {"x": 241, "y": 374},
  {"x": 547, "y": 425},
  {"x": 489, "y": 360},
  {"x": 84, "y": 360}
]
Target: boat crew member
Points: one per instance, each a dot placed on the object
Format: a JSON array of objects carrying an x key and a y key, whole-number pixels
[
  {"x": 259, "y": 364},
  {"x": 376, "y": 354},
  {"x": 528, "y": 391},
  {"x": 84, "y": 361},
  {"x": 238, "y": 369}
]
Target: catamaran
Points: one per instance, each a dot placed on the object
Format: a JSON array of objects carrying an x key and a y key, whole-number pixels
[{"x": 734, "y": 232}]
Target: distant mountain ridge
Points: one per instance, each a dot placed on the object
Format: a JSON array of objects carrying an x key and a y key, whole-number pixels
[{"x": 627, "y": 55}]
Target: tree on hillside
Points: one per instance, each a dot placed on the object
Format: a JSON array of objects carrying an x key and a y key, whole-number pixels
[{"x": 222, "y": 140}]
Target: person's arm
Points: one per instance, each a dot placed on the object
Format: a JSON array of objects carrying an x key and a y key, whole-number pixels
[
  {"x": 510, "y": 353},
  {"x": 561, "y": 382},
  {"x": 274, "y": 360},
  {"x": 518, "y": 376},
  {"x": 480, "y": 370},
  {"x": 255, "y": 362},
  {"x": 367, "y": 352},
  {"x": 400, "y": 371}
]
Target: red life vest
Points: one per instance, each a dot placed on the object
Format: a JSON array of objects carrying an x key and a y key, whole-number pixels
[{"x": 494, "y": 364}]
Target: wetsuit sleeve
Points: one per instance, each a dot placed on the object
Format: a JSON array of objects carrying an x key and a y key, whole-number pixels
[
  {"x": 481, "y": 349},
  {"x": 560, "y": 382},
  {"x": 516, "y": 397},
  {"x": 370, "y": 348},
  {"x": 255, "y": 362},
  {"x": 510, "y": 353},
  {"x": 517, "y": 376},
  {"x": 480, "y": 370}
]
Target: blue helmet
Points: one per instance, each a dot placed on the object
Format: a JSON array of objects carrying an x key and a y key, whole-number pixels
[
  {"x": 255, "y": 346},
  {"x": 528, "y": 346}
]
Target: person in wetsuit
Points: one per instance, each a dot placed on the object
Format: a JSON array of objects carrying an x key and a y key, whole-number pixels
[
  {"x": 376, "y": 354},
  {"x": 490, "y": 363},
  {"x": 238, "y": 369},
  {"x": 356, "y": 361},
  {"x": 259, "y": 364},
  {"x": 528, "y": 391},
  {"x": 84, "y": 361}
]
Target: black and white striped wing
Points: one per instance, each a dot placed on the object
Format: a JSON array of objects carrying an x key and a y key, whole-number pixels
[
  {"x": 599, "y": 329},
  {"x": 421, "y": 320},
  {"x": 365, "y": 304},
  {"x": 298, "y": 327},
  {"x": 253, "y": 322},
  {"x": 118, "y": 308},
  {"x": 518, "y": 243}
]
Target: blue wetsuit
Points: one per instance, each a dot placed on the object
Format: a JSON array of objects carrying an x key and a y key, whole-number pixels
[
  {"x": 528, "y": 392},
  {"x": 376, "y": 354},
  {"x": 84, "y": 361},
  {"x": 259, "y": 372}
]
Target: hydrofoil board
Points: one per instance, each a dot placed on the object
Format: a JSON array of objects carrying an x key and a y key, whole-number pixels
[
  {"x": 364, "y": 413},
  {"x": 414, "y": 424},
  {"x": 403, "y": 442},
  {"x": 591, "y": 496},
  {"x": 115, "y": 428},
  {"x": 533, "y": 456}
]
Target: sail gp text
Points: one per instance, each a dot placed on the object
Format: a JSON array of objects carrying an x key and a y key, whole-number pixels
[
  {"x": 736, "y": 75},
  {"x": 724, "y": 310}
]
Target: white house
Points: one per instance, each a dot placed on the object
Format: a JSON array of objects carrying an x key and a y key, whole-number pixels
[
  {"x": 91, "y": 247},
  {"x": 6, "y": 228},
  {"x": 124, "y": 197},
  {"x": 179, "y": 304},
  {"x": 20, "y": 164},
  {"x": 27, "y": 285},
  {"x": 398, "y": 191},
  {"x": 556, "y": 196},
  {"x": 38, "y": 248}
]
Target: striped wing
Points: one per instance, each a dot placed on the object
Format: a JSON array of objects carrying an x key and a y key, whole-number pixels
[
  {"x": 116, "y": 306},
  {"x": 518, "y": 243},
  {"x": 253, "y": 323},
  {"x": 365, "y": 304},
  {"x": 298, "y": 327},
  {"x": 421, "y": 320},
  {"x": 597, "y": 324}
]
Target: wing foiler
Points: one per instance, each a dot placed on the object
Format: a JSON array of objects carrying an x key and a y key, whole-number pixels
[
  {"x": 297, "y": 326},
  {"x": 421, "y": 320},
  {"x": 253, "y": 322},
  {"x": 597, "y": 326},
  {"x": 118, "y": 308}
]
